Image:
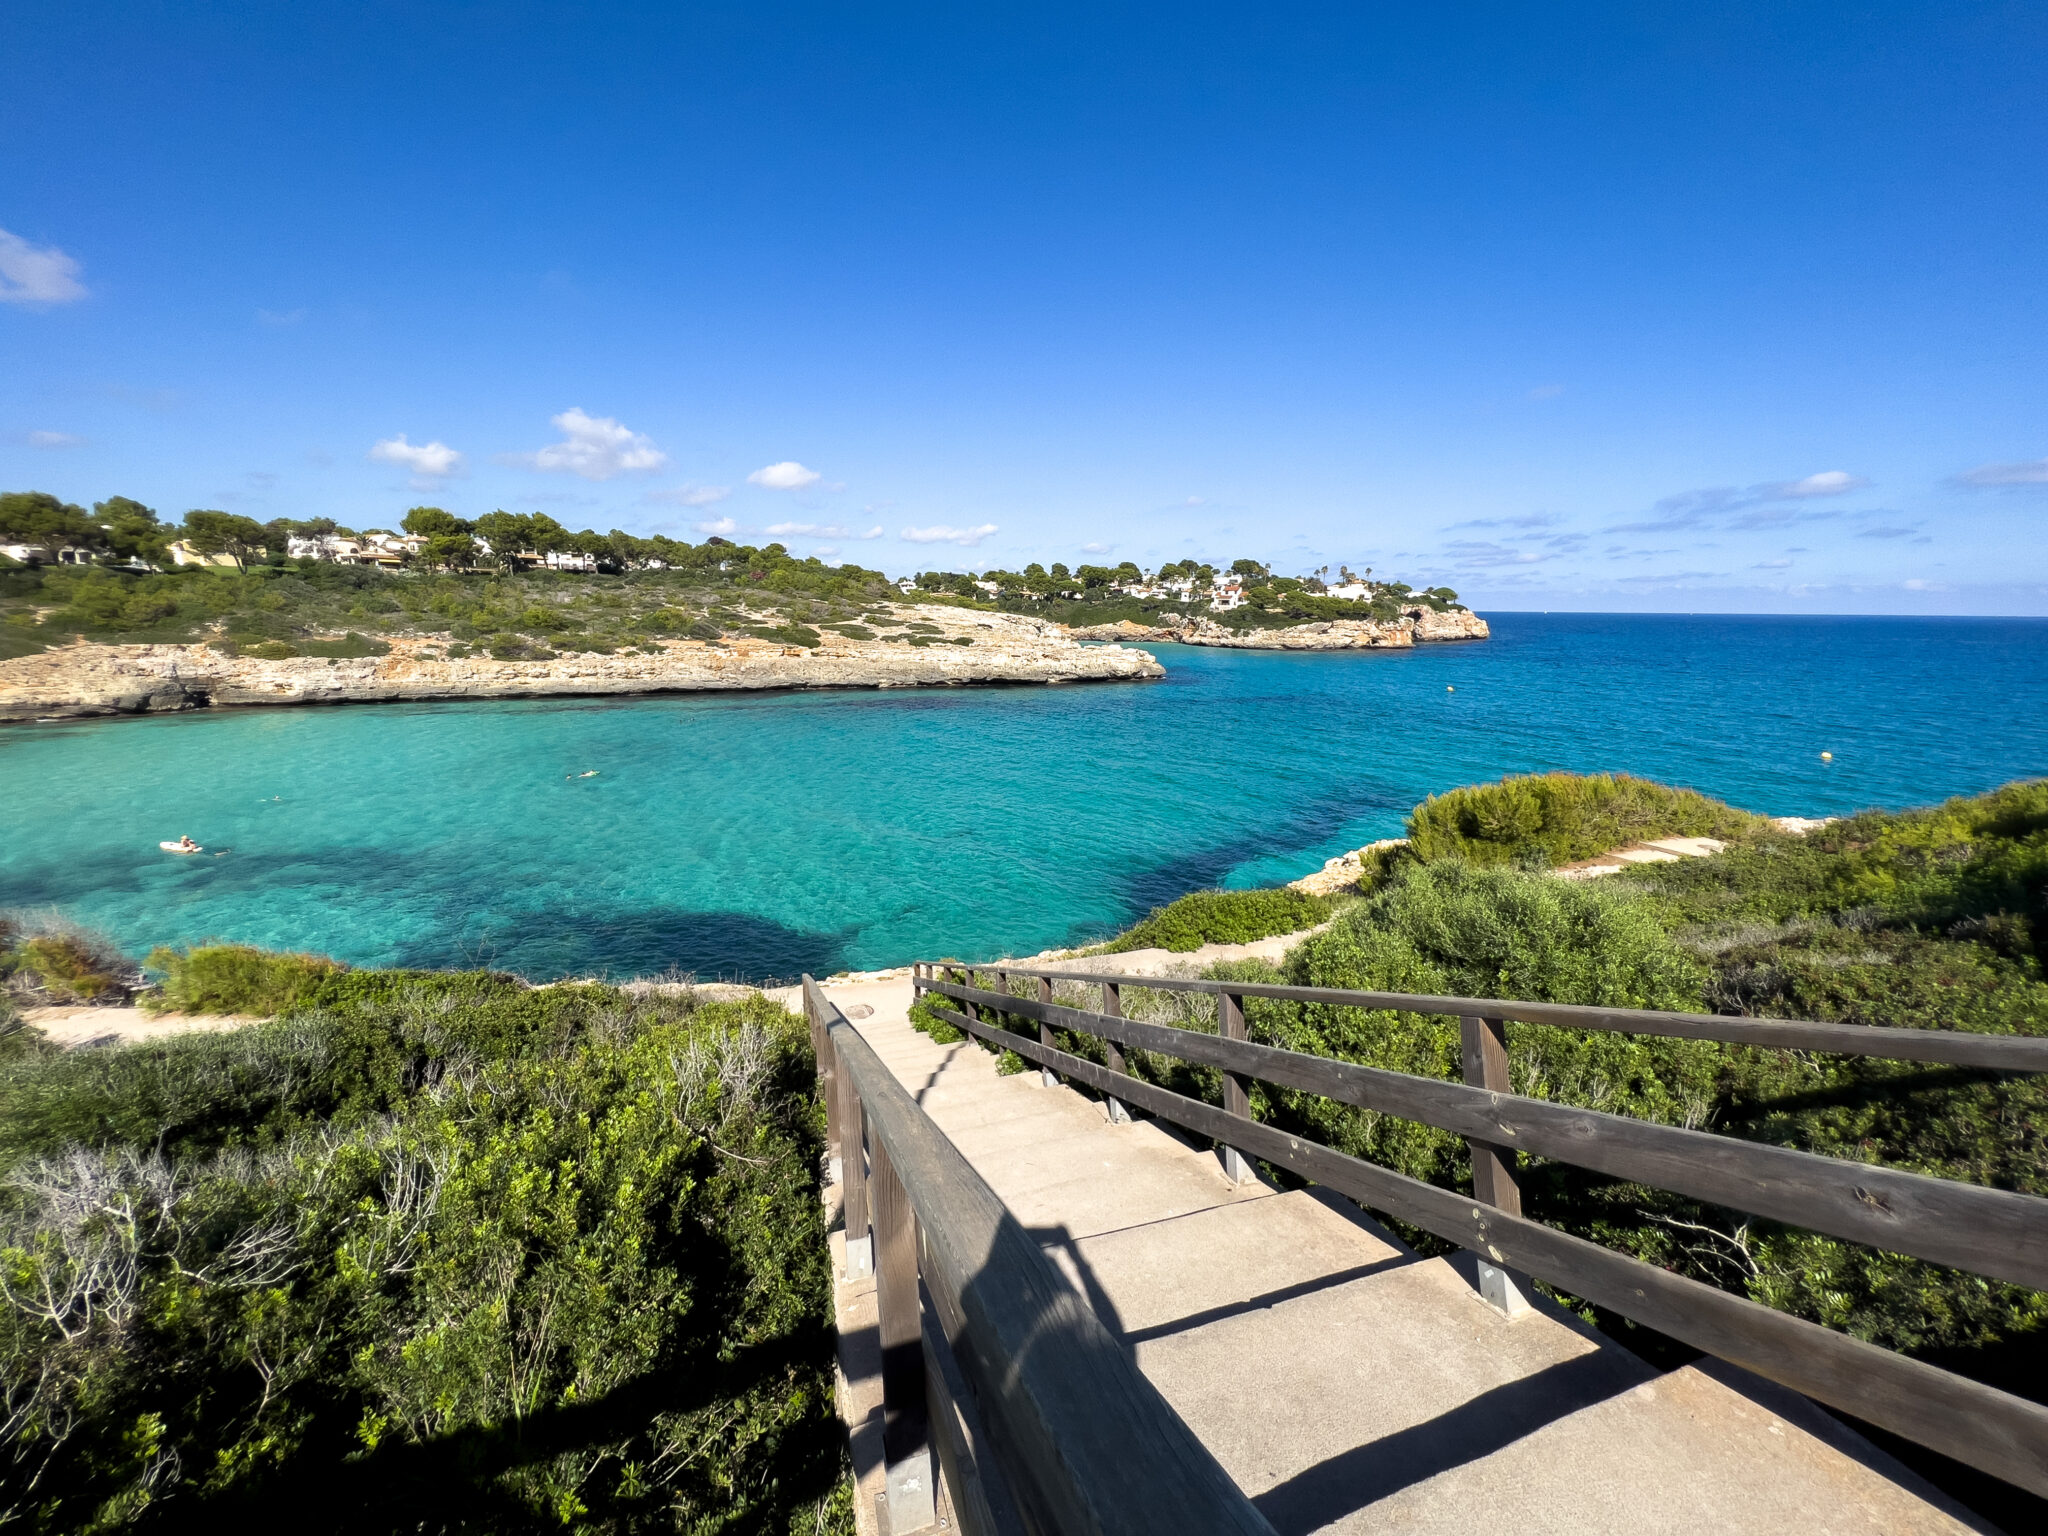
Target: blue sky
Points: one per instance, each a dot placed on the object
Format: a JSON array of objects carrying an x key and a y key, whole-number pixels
[{"x": 1632, "y": 307}]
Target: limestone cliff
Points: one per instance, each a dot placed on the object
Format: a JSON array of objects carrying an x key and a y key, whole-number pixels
[
  {"x": 1418, "y": 625},
  {"x": 86, "y": 679}
]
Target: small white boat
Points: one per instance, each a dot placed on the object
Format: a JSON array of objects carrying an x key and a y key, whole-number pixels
[{"x": 182, "y": 845}]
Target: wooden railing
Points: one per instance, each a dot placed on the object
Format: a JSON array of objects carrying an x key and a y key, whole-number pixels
[
  {"x": 1990, "y": 1232},
  {"x": 1041, "y": 1420}
]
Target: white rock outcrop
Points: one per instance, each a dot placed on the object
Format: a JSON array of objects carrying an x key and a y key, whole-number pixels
[
  {"x": 1418, "y": 625},
  {"x": 86, "y": 679}
]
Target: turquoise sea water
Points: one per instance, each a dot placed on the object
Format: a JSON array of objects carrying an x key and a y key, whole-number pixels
[{"x": 767, "y": 834}]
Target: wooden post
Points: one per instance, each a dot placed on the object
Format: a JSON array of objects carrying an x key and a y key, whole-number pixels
[
  {"x": 821, "y": 1051},
  {"x": 1113, "y": 1005},
  {"x": 906, "y": 1437},
  {"x": 1237, "y": 1099},
  {"x": 1494, "y": 1179},
  {"x": 851, "y": 1139},
  {"x": 1047, "y": 1076}
]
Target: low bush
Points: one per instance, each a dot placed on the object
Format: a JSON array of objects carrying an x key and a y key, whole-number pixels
[
  {"x": 473, "y": 1256},
  {"x": 1222, "y": 917},
  {"x": 1555, "y": 818},
  {"x": 238, "y": 979},
  {"x": 1928, "y": 919},
  {"x": 46, "y": 960}
]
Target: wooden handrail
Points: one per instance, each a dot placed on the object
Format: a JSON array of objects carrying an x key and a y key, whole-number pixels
[
  {"x": 1993, "y": 1232},
  {"x": 1961, "y": 1224},
  {"x": 1086, "y": 1443},
  {"x": 1951, "y": 1047}
]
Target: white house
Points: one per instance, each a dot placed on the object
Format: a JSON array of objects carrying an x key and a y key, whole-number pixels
[
  {"x": 324, "y": 546},
  {"x": 1228, "y": 594},
  {"x": 559, "y": 560},
  {"x": 182, "y": 553},
  {"x": 42, "y": 554},
  {"x": 1351, "y": 591}
]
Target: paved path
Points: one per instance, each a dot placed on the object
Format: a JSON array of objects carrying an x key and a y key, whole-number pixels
[{"x": 1349, "y": 1385}]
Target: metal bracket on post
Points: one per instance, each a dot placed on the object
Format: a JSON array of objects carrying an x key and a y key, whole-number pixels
[
  {"x": 1494, "y": 1178},
  {"x": 1113, "y": 1006},
  {"x": 1237, "y": 1099},
  {"x": 1046, "y": 1075}
]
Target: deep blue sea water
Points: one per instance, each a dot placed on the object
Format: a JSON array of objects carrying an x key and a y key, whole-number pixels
[{"x": 767, "y": 834}]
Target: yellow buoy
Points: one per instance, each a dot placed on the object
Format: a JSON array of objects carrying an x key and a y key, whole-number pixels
[
  {"x": 1827, "y": 757},
  {"x": 1449, "y": 689}
]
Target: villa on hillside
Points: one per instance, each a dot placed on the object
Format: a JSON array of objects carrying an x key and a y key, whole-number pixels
[{"x": 43, "y": 554}]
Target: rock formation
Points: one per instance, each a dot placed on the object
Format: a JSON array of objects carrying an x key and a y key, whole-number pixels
[
  {"x": 86, "y": 679},
  {"x": 1420, "y": 624}
]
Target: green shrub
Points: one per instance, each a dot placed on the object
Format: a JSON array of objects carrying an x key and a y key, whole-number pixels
[
  {"x": 51, "y": 961},
  {"x": 927, "y": 1022},
  {"x": 350, "y": 646},
  {"x": 1556, "y": 818},
  {"x": 482, "y": 1257},
  {"x": 1930, "y": 919},
  {"x": 1447, "y": 929},
  {"x": 238, "y": 979},
  {"x": 1222, "y": 917}
]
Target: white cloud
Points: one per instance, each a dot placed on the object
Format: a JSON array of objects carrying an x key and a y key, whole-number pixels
[
  {"x": 2026, "y": 472},
  {"x": 939, "y": 533},
  {"x": 1771, "y": 565},
  {"x": 1829, "y": 482},
  {"x": 429, "y": 461},
  {"x": 820, "y": 531},
  {"x": 1096, "y": 549},
  {"x": 786, "y": 476},
  {"x": 692, "y": 495},
  {"x": 279, "y": 317},
  {"x": 36, "y": 274},
  {"x": 596, "y": 447},
  {"x": 724, "y": 527},
  {"x": 1484, "y": 554},
  {"x": 1546, "y": 391},
  {"x": 53, "y": 440}
]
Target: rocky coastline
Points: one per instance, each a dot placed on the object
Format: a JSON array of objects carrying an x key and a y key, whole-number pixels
[
  {"x": 84, "y": 680},
  {"x": 1420, "y": 625}
]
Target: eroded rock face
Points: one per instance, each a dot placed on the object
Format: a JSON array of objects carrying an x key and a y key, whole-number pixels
[
  {"x": 84, "y": 679},
  {"x": 1418, "y": 625}
]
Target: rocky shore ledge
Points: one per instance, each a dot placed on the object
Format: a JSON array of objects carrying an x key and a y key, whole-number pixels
[
  {"x": 85, "y": 679},
  {"x": 1420, "y": 625}
]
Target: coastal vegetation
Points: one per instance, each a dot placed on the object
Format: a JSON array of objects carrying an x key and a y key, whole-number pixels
[
  {"x": 1932, "y": 918},
  {"x": 524, "y": 587},
  {"x": 1221, "y": 917},
  {"x": 438, "y": 1251},
  {"x": 1244, "y": 596},
  {"x": 636, "y": 594},
  {"x": 1546, "y": 819},
  {"x": 45, "y": 960}
]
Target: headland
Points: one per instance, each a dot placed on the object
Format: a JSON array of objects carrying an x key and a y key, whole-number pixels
[{"x": 954, "y": 647}]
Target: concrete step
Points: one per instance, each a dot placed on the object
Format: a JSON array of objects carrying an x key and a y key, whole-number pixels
[{"x": 1347, "y": 1384}]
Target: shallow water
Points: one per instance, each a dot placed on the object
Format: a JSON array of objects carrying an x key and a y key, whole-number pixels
[{"x": 767, "y": 834}]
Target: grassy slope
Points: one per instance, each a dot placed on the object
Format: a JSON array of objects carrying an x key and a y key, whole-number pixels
[{"x": 282, "y": 611}]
